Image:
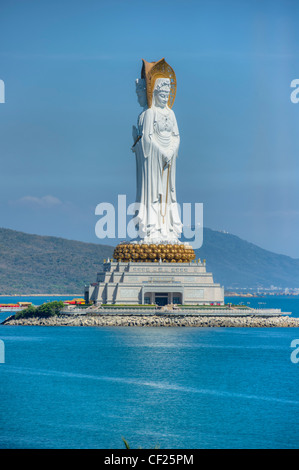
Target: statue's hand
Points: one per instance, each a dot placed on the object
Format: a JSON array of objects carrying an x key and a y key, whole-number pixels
[{"x": 168, "y": 156}]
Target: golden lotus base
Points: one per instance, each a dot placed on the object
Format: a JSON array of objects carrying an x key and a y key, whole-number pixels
[{"x": 153, "y": 253}]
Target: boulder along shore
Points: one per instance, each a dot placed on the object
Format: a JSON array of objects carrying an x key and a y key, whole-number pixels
[{"x": 157, "y": 321}]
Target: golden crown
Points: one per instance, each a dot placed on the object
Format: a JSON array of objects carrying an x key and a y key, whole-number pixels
[{"x": 161, "y": 69}]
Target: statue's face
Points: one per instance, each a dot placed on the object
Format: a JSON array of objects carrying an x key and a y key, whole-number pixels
[{"x": 162, "y": 97}]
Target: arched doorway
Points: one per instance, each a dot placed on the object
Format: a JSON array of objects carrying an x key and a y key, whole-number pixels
[{"x": 161, "y": 298}]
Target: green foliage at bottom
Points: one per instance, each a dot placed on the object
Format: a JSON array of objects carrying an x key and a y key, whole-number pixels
[{"x": 127, "y": 446}]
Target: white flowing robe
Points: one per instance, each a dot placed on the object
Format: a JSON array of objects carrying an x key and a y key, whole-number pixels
[{"x": 155, "y": 181}]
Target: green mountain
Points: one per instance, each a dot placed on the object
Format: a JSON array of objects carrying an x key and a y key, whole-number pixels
[
  {"x": 33, "y": 264},
  {"x": 237, "y": 263}
]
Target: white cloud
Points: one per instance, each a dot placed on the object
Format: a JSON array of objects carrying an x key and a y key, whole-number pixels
[{"x": 44, "y": 201}]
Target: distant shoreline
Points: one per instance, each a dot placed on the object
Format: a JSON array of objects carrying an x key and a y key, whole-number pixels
[
  {"x": 242, "y": 296},
  {"x": 40, "y": 295},
  {"x": 81, "y": 295}
]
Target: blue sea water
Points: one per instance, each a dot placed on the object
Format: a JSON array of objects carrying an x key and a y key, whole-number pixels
[{"x": 192, "y": 388}]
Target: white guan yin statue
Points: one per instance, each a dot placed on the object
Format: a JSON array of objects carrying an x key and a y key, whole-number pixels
[{"x": 156, "y": 144}]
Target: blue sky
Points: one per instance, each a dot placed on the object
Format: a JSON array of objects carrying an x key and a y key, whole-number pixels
[{"x": 65, "y": 129}]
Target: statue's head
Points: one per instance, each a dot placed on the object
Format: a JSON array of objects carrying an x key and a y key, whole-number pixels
[
  {"x": 141, "y": 92},
  {"x": 161, "y": 92}
]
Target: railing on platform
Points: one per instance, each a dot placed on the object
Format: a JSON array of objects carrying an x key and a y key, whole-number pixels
[{"x": 178, "y": 311}]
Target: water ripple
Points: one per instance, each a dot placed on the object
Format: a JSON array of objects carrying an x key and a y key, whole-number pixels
[{"x": 143, "y": 383}]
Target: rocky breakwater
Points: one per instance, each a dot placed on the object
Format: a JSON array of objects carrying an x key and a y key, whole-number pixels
[{"x": 157, "y": 321}]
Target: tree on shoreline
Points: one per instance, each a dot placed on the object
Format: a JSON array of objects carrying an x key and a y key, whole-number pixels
[{"x": 45, "y": 310}]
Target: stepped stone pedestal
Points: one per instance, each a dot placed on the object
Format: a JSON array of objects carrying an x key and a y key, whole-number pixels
[{"x": 159, "y": 283}]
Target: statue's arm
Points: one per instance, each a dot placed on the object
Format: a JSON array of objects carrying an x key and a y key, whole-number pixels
[
  {"x": 134, "y": 133},
  {"x": 175, "y": 133},
  {"x": 135, "y": 137},
  {"x": 147, "y": 141}
]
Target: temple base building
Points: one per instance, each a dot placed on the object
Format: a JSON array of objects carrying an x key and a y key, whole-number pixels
[{"x": 162, "y": 283}]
